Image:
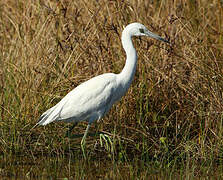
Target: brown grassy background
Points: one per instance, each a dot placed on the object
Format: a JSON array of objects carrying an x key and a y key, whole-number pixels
[{"x": 173, "y": 109}]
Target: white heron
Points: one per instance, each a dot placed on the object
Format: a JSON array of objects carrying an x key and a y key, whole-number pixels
[{"x": 92, "y": 99}]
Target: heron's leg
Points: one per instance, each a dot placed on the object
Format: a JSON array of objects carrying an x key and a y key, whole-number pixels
[
  {"x": 70, "y": 129},
  {"x": 83, "y": 139}
]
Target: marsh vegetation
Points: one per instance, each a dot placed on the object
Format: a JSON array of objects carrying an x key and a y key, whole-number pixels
[{"x": 168, "y": 125}]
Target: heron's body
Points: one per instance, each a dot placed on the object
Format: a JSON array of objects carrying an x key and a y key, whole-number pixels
[
  {"x": 87, "y": 102},
  {"x": 92, "y": 99}
]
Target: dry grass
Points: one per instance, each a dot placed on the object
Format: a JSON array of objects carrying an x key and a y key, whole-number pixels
[{"x": 172, "y": 114}]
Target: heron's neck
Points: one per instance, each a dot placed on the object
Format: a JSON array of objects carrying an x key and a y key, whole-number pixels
[{"x": 127, "y": 74}]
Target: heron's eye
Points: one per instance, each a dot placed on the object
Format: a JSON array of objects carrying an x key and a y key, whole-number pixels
[{"x": 141, "y": 30}]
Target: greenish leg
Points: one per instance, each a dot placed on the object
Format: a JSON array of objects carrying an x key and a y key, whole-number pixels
[{"x": 83, "y": 140}]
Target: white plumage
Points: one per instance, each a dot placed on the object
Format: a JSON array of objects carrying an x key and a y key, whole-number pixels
[{"x": 92, "y": 99}]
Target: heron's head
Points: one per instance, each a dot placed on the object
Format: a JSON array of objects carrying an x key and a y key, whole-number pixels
[{"x": 137, "y": 29}]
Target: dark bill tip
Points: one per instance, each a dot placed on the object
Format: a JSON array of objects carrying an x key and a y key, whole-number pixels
[{"x": 164, "y": 40}]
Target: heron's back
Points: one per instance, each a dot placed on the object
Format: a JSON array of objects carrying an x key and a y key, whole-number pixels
[{"x": 93, "y": 97}]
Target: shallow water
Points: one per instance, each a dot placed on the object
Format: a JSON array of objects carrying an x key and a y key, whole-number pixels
[{"x": 45, "y": 167}]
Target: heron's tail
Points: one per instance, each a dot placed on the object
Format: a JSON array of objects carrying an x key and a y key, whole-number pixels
[
  {"x": 42, "y": 119},
  {"x": 49, "y": 116}
]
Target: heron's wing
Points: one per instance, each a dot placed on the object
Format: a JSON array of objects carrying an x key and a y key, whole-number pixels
[{"x": 92, "y": 96}]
